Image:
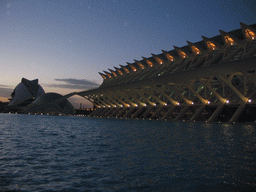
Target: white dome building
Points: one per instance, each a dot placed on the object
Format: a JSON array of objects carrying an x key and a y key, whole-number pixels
[
  {"x": 51, "y": 103},
  {"x": 25, "y": 93}
]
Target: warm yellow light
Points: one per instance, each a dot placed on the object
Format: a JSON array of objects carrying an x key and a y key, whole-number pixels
[
  {"x": 141, "y": 66},
  {"x": 159, "y": 60},
  {"x": 114, "y": 73},
  {"x": 120, "y": 72},
  {"x": 150, "y": 64},
  {"x": 109, "y": 76},
  {"x": 229, "y": 40},
  {"x": 195, "y": 50},
  {"x": 211, "y": 45},
  {"x": 126, "y": 70},
  {"x": 250, "y": 34},
  {"x": 133, "y": 68},
  {"x": 182, "y": 54},
  {"x": 169, "y": 57}
]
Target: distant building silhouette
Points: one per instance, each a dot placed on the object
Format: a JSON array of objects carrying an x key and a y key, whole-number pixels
[{"x": 29, "y": 97}]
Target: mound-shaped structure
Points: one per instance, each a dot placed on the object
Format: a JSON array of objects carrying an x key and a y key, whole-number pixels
[
  {"x": 25, "y": 93},
  {"x": 51, "y": 103}
]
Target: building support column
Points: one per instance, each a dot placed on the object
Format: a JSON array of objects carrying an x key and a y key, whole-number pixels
[
  {"x": 216, "y": 113},
  {"x": 156, "y": 114},
  {"x": 238, "y": 112},
  {"x": 147, "y": 112},
  {"x": 96, "y": 112},
  {"x": 121, "y": 112},
  {"x": 198, "y": 112},
  {"x": 182, "y": 113},
  {"x": 104, "y": 112},
  {"x": 168, "y": 112},
  {"x": 128, "y": 112},
  {"x": 135, "y": 115},
  {"x": 110, "y": 111}
]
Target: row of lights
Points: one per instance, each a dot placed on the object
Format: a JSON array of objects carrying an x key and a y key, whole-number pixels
[{"x": 192, "y": 103}]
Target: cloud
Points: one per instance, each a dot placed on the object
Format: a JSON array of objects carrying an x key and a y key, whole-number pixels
[
  {"x": 5, "y": 91},
  {"x": 75, "y": 84}
]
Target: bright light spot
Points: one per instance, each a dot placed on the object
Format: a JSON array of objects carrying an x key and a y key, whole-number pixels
[
  {"x": 115, "y": 105},
  {"x": 252, "y": 37},
  {"x": 121, "y": 105},
  {"x": 208, "y": 102},
  {"x": 128, "y": 106},
  {"x": 136, "y": 105},
  {"x": 154, "y": 104},
  {"x": 192, "y": 103},
  {"x": 249, "y": 100},
  {"x": 165, "y": 104},
  {"x": 145, "y": 105},
  {"x": 197, "y": 53},
  {"x": 227, "y": 101},
  {"x": 178, "y": 103}
]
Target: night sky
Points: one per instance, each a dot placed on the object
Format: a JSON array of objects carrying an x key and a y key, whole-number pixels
[{"x": 65, "y": 43}]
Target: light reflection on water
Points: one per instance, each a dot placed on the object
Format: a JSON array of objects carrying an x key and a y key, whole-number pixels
[{"x": 44, "y": 153}]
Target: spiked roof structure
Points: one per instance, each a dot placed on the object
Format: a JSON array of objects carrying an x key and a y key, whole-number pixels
[{"x": 194, "y": 55}]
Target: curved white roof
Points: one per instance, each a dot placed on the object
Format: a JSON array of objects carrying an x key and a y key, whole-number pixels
[{"x": 26, "y": 90}]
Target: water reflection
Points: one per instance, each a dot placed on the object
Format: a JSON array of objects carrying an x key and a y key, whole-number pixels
[{"x": 69, "y": 153}]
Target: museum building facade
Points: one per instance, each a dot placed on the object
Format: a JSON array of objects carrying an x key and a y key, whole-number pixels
[{"x": 210, "y": 80}]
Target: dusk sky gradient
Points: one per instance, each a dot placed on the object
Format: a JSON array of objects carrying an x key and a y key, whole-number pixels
[{"x": 65, "y": 43}]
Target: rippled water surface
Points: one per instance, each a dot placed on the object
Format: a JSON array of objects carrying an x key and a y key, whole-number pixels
[{"x": 68, "y": 153}]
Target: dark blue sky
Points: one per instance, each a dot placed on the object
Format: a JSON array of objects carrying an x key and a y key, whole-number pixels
[{"x": 73, "y": 40}]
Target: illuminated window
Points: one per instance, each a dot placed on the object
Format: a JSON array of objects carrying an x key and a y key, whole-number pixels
[
  {"x": 169, "y": 57},
  {"x": 120, "y": 72},
  {"x": 141, "y": 66},
  {"x": 211, "y": 46},
  {"x": 103, "y": 76},
  {"x": 126, "y": 70},
  {"x": 229, "y": 40},
  {"x": 182, "y": 54},
  {"x": 133, "y": 68},
  {"x": 159, "y": 60},
  {"x": 150, "y": 64},
  {"x": 109, "y": 76},
  {"x": 195, "y": 50},
  {"x": 250, "y": 34},
  {"x": 114, "y": 73}
]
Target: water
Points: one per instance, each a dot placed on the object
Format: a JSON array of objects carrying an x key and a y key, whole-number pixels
[{"x": 66, "y": 153}]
